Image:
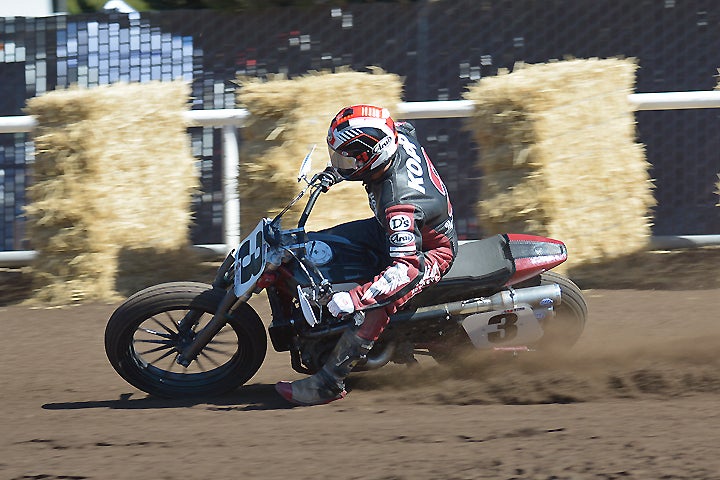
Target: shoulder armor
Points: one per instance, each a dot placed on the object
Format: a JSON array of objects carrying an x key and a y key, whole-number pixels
[{"x": 406, "y": 128}]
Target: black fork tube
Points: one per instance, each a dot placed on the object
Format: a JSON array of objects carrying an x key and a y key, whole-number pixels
[
  {"x": 221, "y": 277},
  {"x": 308, "y": 207},
  {"x": 203, "y": 337}
]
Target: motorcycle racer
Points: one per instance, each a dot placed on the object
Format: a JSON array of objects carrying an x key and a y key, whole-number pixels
[{"x": 412, "y": 230}]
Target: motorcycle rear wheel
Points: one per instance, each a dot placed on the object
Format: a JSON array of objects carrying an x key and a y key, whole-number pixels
[
  {"x": 564, "y": 329},
  {"x": 142, "y": 339}
]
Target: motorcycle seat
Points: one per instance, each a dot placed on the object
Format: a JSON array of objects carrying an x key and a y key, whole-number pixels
[
  {"x": 481, "y": 267},
  {"x": 487, "y": 261}
]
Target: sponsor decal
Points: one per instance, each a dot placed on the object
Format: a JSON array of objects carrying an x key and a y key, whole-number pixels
[
  {"x": 434, "y": 176},
  {"x": 431, "y": 275},
  {"x": 381, "y": 144},
  {"x": 398, "y": 252},
  {"x": 402, "y": 238},
  {"x": 546, "y": 301},
  {"x": 400, "y": 223},
  {"x": 413, "y": 165},
  {"x": 372, "y": 202},
  {"x": 392, "y": 279}
]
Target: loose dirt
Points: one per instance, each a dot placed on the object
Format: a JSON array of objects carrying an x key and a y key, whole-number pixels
[{"x": 637, "y": 398}]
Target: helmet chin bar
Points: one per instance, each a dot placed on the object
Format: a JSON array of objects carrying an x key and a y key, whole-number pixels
[{"x": 374, "y": 175}]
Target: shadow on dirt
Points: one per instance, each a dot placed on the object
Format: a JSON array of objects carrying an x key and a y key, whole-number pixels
[
  {"x": 15, "y": 286},
  {"x": 681, "y": 269},
  {"x": 251, "y": 397}
]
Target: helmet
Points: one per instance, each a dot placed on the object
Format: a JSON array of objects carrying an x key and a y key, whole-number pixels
[{"x": 362, "y": 139}]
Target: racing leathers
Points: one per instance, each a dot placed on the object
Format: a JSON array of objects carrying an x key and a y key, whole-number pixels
[
  {"x": 413, "y": 228},
  {"x": 413, "y": 232}
]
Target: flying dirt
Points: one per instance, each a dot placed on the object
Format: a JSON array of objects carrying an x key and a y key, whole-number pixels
[{"x": 638, "y": 397}]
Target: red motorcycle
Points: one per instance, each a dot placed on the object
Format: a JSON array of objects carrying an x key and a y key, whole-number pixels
[{"x": 184, "y": 338}]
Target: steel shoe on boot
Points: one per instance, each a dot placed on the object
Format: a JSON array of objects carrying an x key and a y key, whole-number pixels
[
  {"x": 317, "y": 389},
  {"x": 328, "y": 384}
]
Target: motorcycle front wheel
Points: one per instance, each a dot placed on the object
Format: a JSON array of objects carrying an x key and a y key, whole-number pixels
[{"x": 145, "y": 334}]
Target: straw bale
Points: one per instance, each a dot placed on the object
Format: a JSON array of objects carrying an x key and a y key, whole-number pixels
[
  {"x": 559, "y": 158},
  {"x": 288, "y": 116},
  {"x": 113, "y": 170}
]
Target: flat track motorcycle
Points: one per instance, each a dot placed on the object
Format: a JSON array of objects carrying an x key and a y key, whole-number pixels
[{"x": 184, "y": 339}]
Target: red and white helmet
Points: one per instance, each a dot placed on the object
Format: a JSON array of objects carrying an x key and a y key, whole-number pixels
[{"x": 361, "y": 140}]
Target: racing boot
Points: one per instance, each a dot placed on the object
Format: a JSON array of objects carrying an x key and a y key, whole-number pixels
[{"x": 328, "y": 384}]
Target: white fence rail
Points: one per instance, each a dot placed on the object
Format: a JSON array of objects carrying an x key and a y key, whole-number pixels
[{"x": 230, "y": 119}]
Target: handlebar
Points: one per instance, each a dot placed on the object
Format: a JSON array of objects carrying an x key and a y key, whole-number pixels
[
  {"x": 320, "y": 183},
  {"x": 327, "y": 178}
]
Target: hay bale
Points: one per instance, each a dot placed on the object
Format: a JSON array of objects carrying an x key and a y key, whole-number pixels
[
  {"x": 286, "y": 118},
  {"x": 113, "y": 171},
  {"x": 559, "y": 157}
]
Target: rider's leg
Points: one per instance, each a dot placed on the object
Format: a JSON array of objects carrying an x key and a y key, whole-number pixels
[{"x": 328, "y": 384}]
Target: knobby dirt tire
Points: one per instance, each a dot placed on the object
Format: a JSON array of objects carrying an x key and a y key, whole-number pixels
[{"x": 154, "y": 313}]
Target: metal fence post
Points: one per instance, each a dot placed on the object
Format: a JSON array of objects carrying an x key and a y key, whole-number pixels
[{"x": 231, "y": 196}]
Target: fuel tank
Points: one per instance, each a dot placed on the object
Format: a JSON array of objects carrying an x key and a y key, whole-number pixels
[{"x": 339, "y": 260}]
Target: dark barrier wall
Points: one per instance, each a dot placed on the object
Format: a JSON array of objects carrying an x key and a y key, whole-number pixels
[{"x": 439, "y": 48}]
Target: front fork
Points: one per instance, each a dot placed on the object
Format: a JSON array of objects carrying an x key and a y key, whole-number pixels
[
  {"x": 223, "y": 279},
  {"x": 228, "y": 305},
  {"x": 213, "y": 327}
]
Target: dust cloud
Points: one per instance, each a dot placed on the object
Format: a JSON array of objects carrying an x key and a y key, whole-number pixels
[{"x": 643, "y": 354}]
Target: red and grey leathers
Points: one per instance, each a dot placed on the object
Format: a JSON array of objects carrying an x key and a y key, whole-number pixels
[
  {"x": 413, "y": 232},
  {"x": 413, "y": 209}
]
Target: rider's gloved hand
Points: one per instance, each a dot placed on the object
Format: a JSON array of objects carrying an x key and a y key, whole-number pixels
[
  {"x": 329, "y": 177},
  {"x": 331, "y": 170},
  {"x": 341, "y": 304}
]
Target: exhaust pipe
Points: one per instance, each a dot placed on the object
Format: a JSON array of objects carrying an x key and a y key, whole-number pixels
[{"x": 504, "y": 300}]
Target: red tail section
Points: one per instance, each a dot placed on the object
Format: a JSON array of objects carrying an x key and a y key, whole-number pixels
[{"x": 534, "y": 255}]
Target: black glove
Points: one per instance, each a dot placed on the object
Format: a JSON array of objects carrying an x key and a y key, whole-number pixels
[{"x": 328, "y": 178}]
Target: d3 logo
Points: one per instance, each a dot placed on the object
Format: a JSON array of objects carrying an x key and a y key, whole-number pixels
[{"x": 400, "y": 223}]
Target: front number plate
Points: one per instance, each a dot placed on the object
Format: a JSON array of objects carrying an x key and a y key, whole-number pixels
[{"x": 250, "y": 260}]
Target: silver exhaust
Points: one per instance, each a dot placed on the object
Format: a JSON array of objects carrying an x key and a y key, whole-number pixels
[
  {"x": 511, "y": 298},
  {"x": 542, "y": 296}
]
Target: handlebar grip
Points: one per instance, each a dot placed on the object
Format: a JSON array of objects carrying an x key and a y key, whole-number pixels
[{"x": 327, "y": 178}]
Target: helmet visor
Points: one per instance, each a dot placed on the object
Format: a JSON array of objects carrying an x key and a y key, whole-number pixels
[{"x": 341, "y": 162}]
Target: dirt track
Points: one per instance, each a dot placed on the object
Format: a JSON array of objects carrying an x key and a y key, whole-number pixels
[{"x": 638, "y": 398}]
